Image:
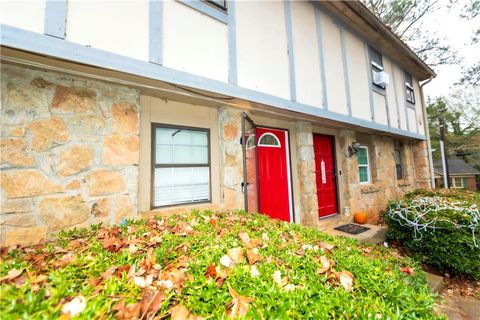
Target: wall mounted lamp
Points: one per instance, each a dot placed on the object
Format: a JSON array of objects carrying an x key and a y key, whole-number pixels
[{"x": 353, "y": 149}]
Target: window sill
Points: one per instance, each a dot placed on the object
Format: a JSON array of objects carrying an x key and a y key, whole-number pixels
[
  {"x": 370, "y": 188},
  {"x": 403, "y": 183},
  {"x": 410, "y": 105},
  {"x": 379, "y": 90}
]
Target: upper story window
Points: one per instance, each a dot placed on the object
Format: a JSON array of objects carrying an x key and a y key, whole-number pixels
[
  {"x": 363, "y": 165},
  {"x": 181, "y": 165},
  {"x": 410, "y": 94},
  {"x": 376, "y": 63},
  {"x": 218, "y": 4}
]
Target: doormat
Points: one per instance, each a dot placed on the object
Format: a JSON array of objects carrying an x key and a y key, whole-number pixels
[{"x": 352, "y": 228}]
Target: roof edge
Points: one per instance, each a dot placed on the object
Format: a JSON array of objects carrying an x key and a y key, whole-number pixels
[{"x": 367, "y": 24}]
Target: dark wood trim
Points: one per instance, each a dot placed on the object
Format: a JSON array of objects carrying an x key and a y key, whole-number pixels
[{"x": 153, "y": 164}]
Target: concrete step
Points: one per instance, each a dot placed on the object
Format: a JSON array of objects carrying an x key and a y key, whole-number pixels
[
  {"x": 376, "y": 234},
  {"x": 435, "y": 283}
]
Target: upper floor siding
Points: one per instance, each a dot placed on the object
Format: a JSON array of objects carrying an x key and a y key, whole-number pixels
[{"x": 295, "y": 53}]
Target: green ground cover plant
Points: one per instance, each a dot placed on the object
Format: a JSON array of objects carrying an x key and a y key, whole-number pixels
[
  {"x": 439, "y": 228},
  {"x": 206, "y": 265}
]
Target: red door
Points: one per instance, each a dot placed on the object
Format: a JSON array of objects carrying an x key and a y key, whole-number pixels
[
  {"x": 274, "y": 173},
  {"x": 325, "y": 175}
]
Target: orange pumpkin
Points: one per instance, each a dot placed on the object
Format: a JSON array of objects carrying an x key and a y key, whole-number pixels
[{"x": 360, "y": 217}]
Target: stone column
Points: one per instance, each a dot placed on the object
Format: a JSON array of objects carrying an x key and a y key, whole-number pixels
[
  {"x": 422, "y": 165},
  {"x": 306, "y": 174},
  {"x": 351, "y": 192},
  {"x": 230, "y": 131}
]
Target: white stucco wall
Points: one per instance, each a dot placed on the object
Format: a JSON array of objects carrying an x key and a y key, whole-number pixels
[
  {"x": 262, "y": 59},
  {"x": 28, "y": 15},
  {"x": 194, "y": 42},
  {"x": 120, "y": 27},
  {"x": 336, "y": 94},
  {"x": 307, "y": 55}
]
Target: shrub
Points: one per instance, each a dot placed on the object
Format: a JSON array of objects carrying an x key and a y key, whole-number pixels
[
  {"x": 439, "y": 228},
  {"x": 147, "y": 269}
]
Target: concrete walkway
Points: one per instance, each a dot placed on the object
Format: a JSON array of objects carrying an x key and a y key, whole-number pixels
[{"x": 457, "y": 307}]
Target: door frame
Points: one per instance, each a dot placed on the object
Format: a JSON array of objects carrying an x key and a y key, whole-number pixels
[
  {"x": 245, "y": 118},
  {"x": 334, "y": 153},
  {"x": 289, "y": 169}
]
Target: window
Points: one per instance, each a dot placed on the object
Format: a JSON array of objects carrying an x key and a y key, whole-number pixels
[
  {"x": 410, "y": 94},
  {"x": 376, "y": 62},
  {"x": 456, "y": 183},
  {"x": 398, "y": 160},
  {"x": 218, "y": 4},
  {"x": 269, "y": 140},
  {"x": 181, "y": 165},
  {"x": 363, "y": 165}
]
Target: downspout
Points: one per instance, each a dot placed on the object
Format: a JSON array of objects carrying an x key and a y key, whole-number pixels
[{"x": 427, "y": 132}]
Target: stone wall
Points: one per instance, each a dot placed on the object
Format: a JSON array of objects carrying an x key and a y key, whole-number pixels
[
  {"x": 373, "y": 197},
  {"x": 230, "y": 131},
  {"x": 69, "y": 153},
  {"x": 306, "y": 174}
]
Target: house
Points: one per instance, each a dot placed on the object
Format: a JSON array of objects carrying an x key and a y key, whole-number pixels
[
  {"x": 298, "y": 109},
  {"x": 461, "y": 174}
]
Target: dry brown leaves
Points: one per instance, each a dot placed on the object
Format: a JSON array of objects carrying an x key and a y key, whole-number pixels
[
  {"x": 239, "y": 305},
  {"x": 180, "y": 312},
  {"x": 150, "y": 302}
]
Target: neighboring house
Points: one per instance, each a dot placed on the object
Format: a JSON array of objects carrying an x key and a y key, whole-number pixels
[
  {"x": 461, "y": 174},
  {"x": 116, "y": 109}
]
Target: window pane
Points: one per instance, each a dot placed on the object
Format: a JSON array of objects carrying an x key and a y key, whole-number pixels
[
  {"x": 398, "y": 169},
  {"x": 269, "y": 139},
  {"x": 181, "y": 146},
  {"x": 363, "y": 174},
  {"x": 362, "y": 156},
  {"x": 181, "y": 185},
  {"x": 375, "y": 56}
]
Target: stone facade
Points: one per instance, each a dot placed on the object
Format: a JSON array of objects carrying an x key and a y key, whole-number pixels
[
  {"x": 306, "y": 174},
  {"x": 384, "y": 186},
  {"x": 230, "y": 131},
  {"x": 69, "y": 153}
]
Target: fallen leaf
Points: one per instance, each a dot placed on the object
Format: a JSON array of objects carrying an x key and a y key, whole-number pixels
[
  {"x": 149, "y": 260},
  {"x": 108, "y": 273},
  {"x": 211, "y": 272},
  {"x": 74, "y": 307},
  {"x": 112, "y": 244},
  {"x": 289, "y": 287},
  {"x": 131, "y": 311},
  {"x": 265, "y": 237},
  {"x": 214, "y": 222},
  {"x": 253, "y": 256},
  {"x": 254, "y": 271},
  {"x": 346, "y": 279},
  {"x": 277, "y": 278},
  {"x": 326, "y": 265},
  {"x": 12, "y": 274},
  {"x": 151, "y": 302},
  {"x": 239, "y": 305},
  {"x": 39, "y": 279},
  {"x": 245, "y": 238},
  {"x": 408, "y": 270},
  {"x": 237, "y": 255},
  {"x": 132, "y": 248},
  {"x": 143, "y": 282}
]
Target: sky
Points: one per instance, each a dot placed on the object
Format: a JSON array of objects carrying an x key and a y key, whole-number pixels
[{"x": 458, "y": 34}]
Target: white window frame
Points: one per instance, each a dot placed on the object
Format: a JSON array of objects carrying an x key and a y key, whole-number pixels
[
  {"x": 366, "y": 166},
  {"x": 454, "y": 185},
  {"x": 155, "y": 165},
  {"x": 260, "y": 144}
]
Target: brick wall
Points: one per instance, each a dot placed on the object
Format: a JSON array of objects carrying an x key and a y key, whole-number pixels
[{"x": 69, "y": 153}]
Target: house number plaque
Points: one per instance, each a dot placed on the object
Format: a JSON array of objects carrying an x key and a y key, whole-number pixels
[{"x": 324, "y": 174}]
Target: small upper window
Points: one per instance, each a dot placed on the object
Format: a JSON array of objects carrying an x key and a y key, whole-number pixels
[
  {"x": 376, "y": 63},
  {"x": 269, "y": 140},
  {"x": 410, "y": 94},
  {"x": 218, "y": 4}
]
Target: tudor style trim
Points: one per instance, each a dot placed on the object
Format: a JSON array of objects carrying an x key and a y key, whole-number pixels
[
  {"x": 156, "y": 31},
  {"x": 50, "y": 46},
  {"x": 291, "y": 54},
  {"x": 55, "y": 18}
]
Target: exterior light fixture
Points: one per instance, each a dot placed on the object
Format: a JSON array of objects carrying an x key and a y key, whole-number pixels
[{"x": 352, "y": 150}]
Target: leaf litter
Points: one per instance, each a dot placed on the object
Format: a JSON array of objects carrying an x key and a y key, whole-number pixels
[{"x": 193, "y": 266}]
